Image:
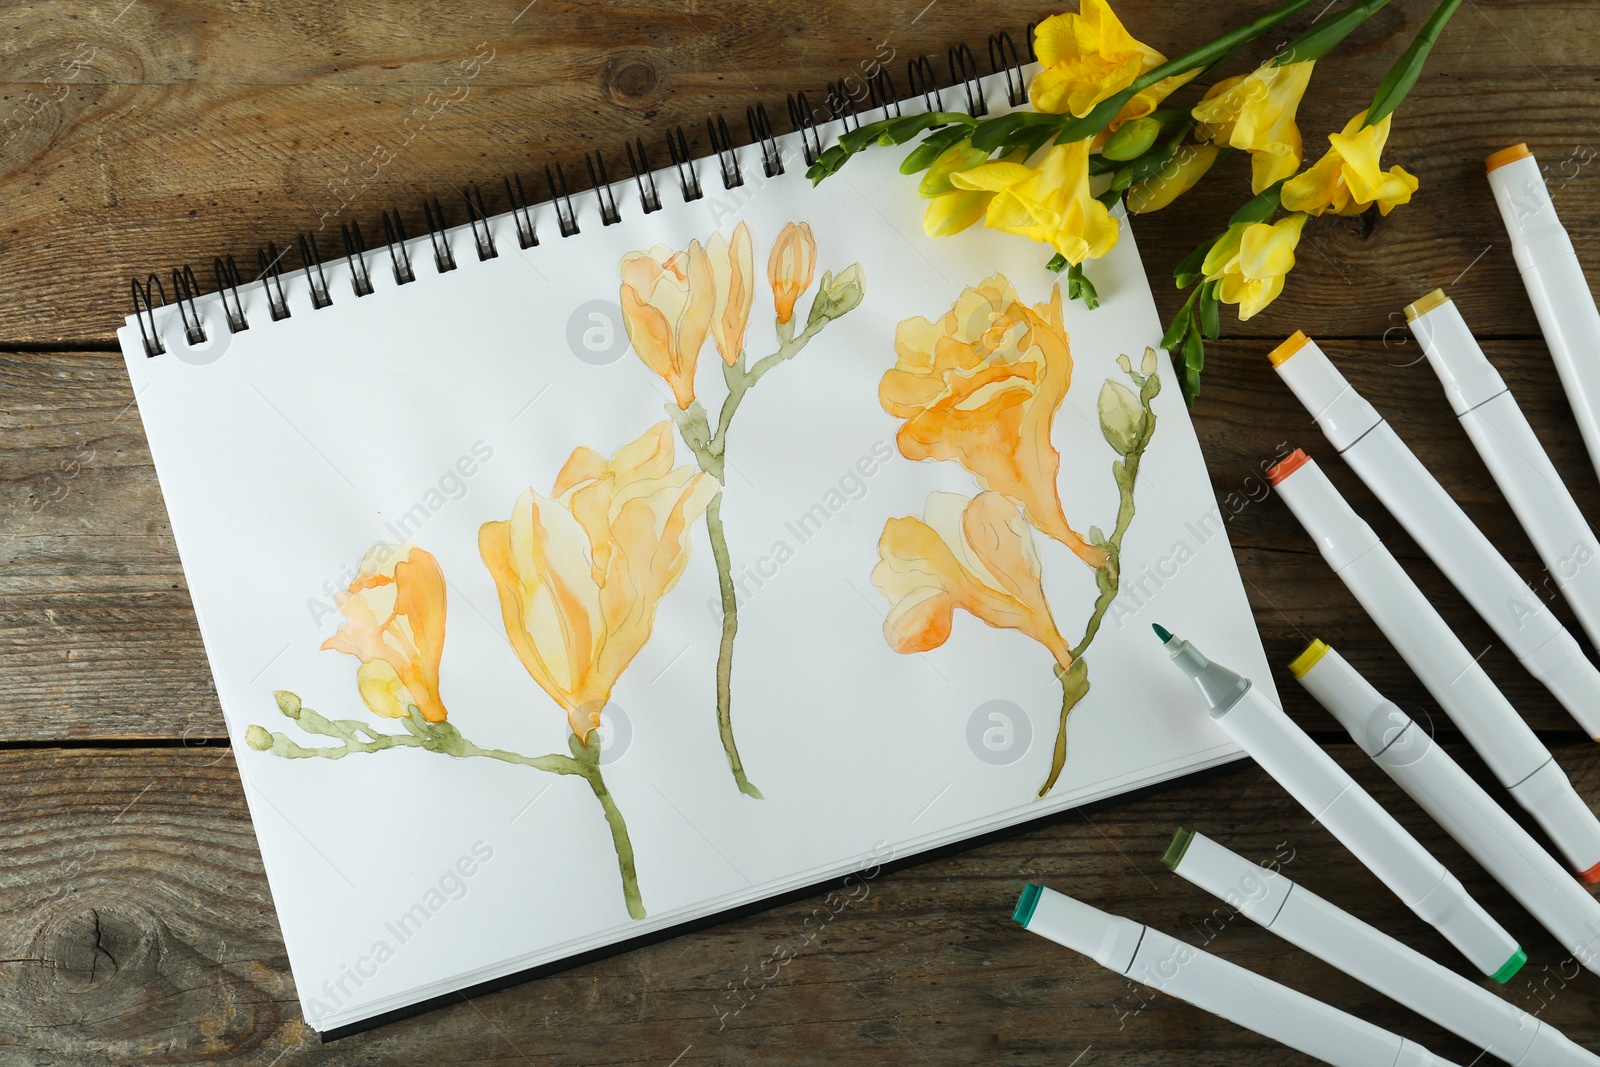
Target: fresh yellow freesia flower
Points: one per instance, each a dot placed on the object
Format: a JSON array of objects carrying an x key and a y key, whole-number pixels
[
  {"x": 1186, "y": 168},
  {"x": 1255, "y": 112},
  {"x": 1049, "y": 203},
  {"x": 1347, "y": 180},
  {"x": 1251, "y": 261},
  {"x": 951, "y": 210},
  {"x": 1087, "y": 57}
]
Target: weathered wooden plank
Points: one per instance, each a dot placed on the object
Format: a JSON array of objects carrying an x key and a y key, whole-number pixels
[
  {"x": 99, "y": 639},
  {"x": 172, "y": 135},
  {"x": 137, "y": 928}
]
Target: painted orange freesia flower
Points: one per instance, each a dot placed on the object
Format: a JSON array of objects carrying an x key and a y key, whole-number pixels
[
  {"x": 982, "y": 386},
  {"x": 668, "y": 300},
  {"x": 790, "y": 267},
  {"x": 732, "y": 271},
  {"x": 974, "y": 554},
  {"x": 394, "y": 624},
  {"x": 581, "y": 572}
]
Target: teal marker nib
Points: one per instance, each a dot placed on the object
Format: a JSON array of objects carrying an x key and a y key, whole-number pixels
[
  {"x": 1027, "y": 902},
  {"x": 1161, "y": 632}
]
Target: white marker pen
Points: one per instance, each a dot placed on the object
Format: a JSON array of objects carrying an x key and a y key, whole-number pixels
[
  {"x": 1513, "y": 454},
  {"x": 1336, "y": 801},
  {"x": 1436, "y": 781},
  {"x": 1215, "y": 985},
  {"x": 1372, "y": 957},
  {"x": 1473, "y": 565},
  {"x": 1431, "y": 649},
  {"x": 1555, "y": 282}
]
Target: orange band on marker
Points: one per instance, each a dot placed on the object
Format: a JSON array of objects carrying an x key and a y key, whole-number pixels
[
  {"x": 1287, "y": 466},
  {"x": 1506, "y": 155},
  {"x": 1592, "y": 875},
  {"x": 1295, "y": 343}
]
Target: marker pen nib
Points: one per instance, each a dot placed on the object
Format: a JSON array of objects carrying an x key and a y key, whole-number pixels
[{"x": 1161, "y": 632}]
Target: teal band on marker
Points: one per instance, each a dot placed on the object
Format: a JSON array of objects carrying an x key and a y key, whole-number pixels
[
  {"x": 1503, "y": 975},
  {"x": 1030, "y": 900}
]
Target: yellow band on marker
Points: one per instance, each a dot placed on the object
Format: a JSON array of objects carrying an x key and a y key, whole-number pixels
[
  {"x": 1295, "y": 343},
  {"x": 1308, "y": 659},
  {"x": 1506, "y": 155},
  {"x": 1421, "y": 307}
]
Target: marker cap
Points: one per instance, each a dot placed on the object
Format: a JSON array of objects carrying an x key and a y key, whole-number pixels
[
  {"x": 1257, "y": 893},
  {"x": 1109, "y": 940},
  {"x": 1548, "y": 795},
  {"x": 1537, "y": 235},
  {"x": 1341, "y": 534},
  {"x": 1468, "y": 377},
  {"x": 1342, "y": 413},
  {"x": 1376, "y": 723}
]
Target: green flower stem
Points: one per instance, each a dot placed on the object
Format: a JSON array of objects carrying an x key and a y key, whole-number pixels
[
  {"x": 709, "y": 448},
  {"x": 444, "y": 738},
  {"x": 730, "y": 628},
  {"x": 1074, "y": 687},
  {"x": 1075, "y": 679}
]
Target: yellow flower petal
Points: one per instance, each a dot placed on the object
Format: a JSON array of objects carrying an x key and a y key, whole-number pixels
[{"x": 1255, "y": 112}]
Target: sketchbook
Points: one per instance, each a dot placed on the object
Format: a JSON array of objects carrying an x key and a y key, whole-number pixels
[{"x": 583, "y": 571}]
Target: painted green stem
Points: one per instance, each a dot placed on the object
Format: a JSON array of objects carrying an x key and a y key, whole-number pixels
[
  {"x": 357, "y": 736},
  {"x": 730, "y": 629},
  {"x": 1108, "y": 579},
  {"x": 709, "y": 449}
]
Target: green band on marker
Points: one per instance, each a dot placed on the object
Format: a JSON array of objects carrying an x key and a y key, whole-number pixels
[
  {"x": 1180, "y": 844},
  {"x": 1030, "y": 900},
  {"x": 1513, "y": 965}
]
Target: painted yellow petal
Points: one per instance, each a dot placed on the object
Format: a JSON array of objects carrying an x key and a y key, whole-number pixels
[{"x": 381, "y": 689}]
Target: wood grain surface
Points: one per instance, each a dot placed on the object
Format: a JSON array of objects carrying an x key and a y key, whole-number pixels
[{"x": 135, "y": 923}]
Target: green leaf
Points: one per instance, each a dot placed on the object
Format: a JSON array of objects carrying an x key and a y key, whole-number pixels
[
  {"x": 1408, "y": 68},
  {"x": 1179, "y": 324},
  {"x": 1079, "y": 287},
  {"x": 1194, "y": 361},
  {"x": 932, "y": 146},
  {"x": 1099, "y": 164},
  {"x": 899, "y": 131},
  {"x": 1260, "y": 207},
  {"x": 1208, "y": 313},
  {"x": 1188, "y": 271},
  {"x": 1324, "y": 37},
  {"x": 992, "y": 133}
]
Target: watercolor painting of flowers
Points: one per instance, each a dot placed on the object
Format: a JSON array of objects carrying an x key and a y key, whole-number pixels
[
  {"x": 579, "y": 575},
  {"x": 673, "y": 301},
  {"x": 981, "y": 387}
]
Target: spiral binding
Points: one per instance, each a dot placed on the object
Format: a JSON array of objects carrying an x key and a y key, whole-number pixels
[{"x": 869, "y": 99}]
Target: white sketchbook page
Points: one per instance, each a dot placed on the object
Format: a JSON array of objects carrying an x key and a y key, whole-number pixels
[{"x": 287, "y": 455}]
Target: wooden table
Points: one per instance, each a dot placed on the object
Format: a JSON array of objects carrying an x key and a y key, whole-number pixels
[{"x": 135, "y": 923}]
